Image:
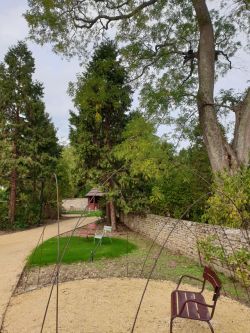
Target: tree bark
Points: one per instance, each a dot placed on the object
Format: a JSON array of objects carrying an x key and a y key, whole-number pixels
[
  {"x": 241, "y": 142},
  {"x": 221, "y": 154},
  {"x": 112, "y": 215},
  {"x": 108, "y": 213},
  {"x": 13, "y": 176},
  {"x": 13, "y": 190}
]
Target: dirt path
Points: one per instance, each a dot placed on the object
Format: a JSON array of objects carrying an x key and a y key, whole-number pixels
[
  {"x": 109, "y": 306},
  {"x": 14, "y": 249}
]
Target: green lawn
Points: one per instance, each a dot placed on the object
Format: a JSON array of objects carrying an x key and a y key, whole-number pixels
[
  {"x": 97, "y": 213},
  {"x": 115, "y": 262},
  {"x": 79, "y": 249}
]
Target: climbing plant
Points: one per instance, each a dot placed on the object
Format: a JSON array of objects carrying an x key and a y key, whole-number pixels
[{"x": 237, "y": 261}]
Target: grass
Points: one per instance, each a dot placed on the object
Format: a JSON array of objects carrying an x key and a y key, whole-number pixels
[
  {"x": 97, "y": 213},
  {"x": 79, "y": 250},
  {"x": 114, "y": 262},
  {"x": 171, "y": 266}
]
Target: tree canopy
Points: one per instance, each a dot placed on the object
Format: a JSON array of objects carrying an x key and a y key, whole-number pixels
[
  {"x": 176, "y": 49},
  {"x": 145, "y": 163}
]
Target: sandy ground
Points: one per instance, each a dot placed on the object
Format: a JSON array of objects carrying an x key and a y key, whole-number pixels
[
  {"x": 14, "y": 249},
  {"x": 109, "y": 306}
]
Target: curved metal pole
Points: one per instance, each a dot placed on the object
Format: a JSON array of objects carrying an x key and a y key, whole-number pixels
[{"x": 58, "y": 253}]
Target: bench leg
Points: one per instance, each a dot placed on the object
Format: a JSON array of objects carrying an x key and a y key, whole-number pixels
[
  {"x": 211, "y": 327},
  {"x": 171, "y": 325}
]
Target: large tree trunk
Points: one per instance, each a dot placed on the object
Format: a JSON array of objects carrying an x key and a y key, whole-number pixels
[
  {"x": 241, "y": 142},
  {"x": 112, "y": 209},
  {"x": 13, "y": 190},
  {"x": 221, "y": 154},
  {"x": 112, "y": 215},
  {"x": 108, "y": 221},
  {"x": 13, "y": 177}
]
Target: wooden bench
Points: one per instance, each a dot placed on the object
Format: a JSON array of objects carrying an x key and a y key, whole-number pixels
[{"x": 192, "y": 305}]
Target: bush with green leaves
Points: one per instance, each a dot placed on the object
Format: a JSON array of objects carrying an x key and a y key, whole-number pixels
[
  {"x": 3, "y": 215},
  {"x": 238, "y": 261},
  {"x": 210, "y": 250},
  {"x": 229, "y": 204}
]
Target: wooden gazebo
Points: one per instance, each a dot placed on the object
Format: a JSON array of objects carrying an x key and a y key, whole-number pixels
[{"x": 94, "y": 196}]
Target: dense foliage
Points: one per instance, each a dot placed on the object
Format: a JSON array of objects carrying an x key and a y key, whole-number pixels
[
  {"x": 155, "y": 178},
  {"x": 229, "y": 204},
  {"x": 237, "y": 261},
  {"x": 176, "y": 49},
  {"x": 102, "y": 97},
  {"x": 145, "y": 162},
  {"x": 67, "y": 173},
  {"x": 187, "y": 187},
  {"x": 148, "y": 174}
]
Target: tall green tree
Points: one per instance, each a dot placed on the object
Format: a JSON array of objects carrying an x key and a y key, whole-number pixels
[
  {"x": 67, "y": 173},
  {"x": 146, "y": 161},
  {"x": 182, "y": 46},
  {"x": 157, "y": 179},
  {"x": 102, "y": 97},
  {"x": 27, "y": 136},
  {"x": 188, "y": 180}
]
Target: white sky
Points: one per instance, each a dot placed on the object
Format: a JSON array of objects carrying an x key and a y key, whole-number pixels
[
  {"x": 51, "y": 70},
  {"x": 56, "y": 73}
]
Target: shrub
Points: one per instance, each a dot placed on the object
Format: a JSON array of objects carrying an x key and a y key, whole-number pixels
[
  {"x": 230, "y": 203},
  {"x": 238, "y": 261}
]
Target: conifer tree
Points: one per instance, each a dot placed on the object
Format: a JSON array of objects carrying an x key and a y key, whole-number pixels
[
  {"x": 102, "y": 97},
  {"x": 27, "y": 136}
]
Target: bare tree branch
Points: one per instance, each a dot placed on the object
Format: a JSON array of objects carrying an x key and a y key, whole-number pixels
[
  {"x": 166, "y": 44},
  {"x": 192, "y": 66},
  {"x": 218, "y": 52},
  {"x": 85, "y": 22},
  {"x": 145, "y": 67}
]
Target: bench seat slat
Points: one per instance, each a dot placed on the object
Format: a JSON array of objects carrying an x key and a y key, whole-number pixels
[
  {"x": 192, "y": 310},
  {"x": 184, "y": 303}
]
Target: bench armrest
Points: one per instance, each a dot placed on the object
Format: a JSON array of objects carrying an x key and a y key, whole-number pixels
[
  {"x": 187, "y": 276},
  {"x": 194, "y": 301}
]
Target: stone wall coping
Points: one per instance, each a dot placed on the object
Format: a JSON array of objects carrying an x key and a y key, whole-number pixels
[{"x": 199, "y": 225}]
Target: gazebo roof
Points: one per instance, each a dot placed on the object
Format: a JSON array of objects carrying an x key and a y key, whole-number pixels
[{"x": 94, "y": 192}]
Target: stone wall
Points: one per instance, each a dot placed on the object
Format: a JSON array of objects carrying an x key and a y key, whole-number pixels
[
  {"x": 181, "y": 236},
  {"x": 74, "y": 204}
]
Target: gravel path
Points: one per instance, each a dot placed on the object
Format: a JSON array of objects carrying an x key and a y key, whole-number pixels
[
  {"x": 14, "y": 249},
  {"x": 109, "y": 306}
]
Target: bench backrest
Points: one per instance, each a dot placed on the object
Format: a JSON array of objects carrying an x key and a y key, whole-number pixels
[
  {"x": 210, "y": 276},
  {"x": 107, "y": 228}
]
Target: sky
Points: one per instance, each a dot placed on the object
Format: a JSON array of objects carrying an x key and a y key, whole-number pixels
[{"x": 55, "y": 73}]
